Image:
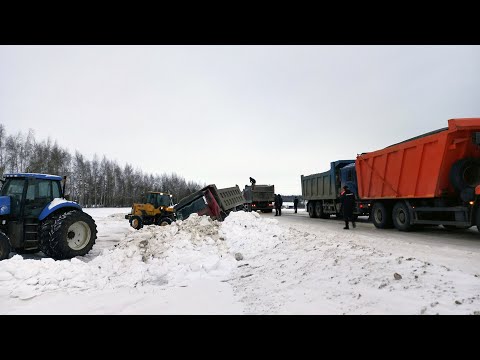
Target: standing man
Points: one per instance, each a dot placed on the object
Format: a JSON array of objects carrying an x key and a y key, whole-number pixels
[
  {"x": 295, "y": 204},
  {"x": 280, "y": 203},
  {"x": 276, "y": 204},
  {"x": 348, "y": 203}
]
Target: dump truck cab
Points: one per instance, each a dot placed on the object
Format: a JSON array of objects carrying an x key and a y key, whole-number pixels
[
  {"x": 157, "y": 209},
  {"x": 30, "y": 204}
]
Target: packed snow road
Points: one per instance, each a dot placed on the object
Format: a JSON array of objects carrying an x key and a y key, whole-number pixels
[{"x": 250, "y": 264}]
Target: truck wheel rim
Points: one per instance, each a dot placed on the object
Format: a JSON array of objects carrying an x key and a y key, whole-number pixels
[
  {"x": 78, "y": 235},
  {"x": 164, "y": 223},
  {"x": 401, "y": 217},
  {"x": 135, "y": 223},
  {"x": 378, "y": 216}
]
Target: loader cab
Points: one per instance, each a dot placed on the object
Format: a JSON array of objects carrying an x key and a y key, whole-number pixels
[
  {"x": 29, "y": 194},
  {"x": 158, "y": 199}
]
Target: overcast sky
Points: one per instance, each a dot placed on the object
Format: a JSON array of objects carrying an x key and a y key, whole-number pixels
[{"x": 220, "y": 114}]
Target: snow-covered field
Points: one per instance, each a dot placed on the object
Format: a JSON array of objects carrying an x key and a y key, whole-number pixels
[{"x": 249, "y": 264}]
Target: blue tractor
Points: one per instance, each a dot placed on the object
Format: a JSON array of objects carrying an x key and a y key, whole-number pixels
[{"x": 35, "y": 216}]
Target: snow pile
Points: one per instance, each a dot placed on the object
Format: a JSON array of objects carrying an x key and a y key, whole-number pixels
[{"x": 169, "y": 255}]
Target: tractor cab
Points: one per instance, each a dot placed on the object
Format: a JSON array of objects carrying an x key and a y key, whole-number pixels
[{"x": 24, "y": 196}]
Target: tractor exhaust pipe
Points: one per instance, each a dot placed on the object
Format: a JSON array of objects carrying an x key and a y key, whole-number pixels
[{"x": 64, "y": 183}]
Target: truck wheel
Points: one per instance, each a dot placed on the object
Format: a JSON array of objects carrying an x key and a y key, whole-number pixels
[
  {"x": 401, "y": 217},
  {"x": 136, "y": 222},
  {"x": 465, "y": 173},
  {"x": 4, "y": 246},
  {"x": 381, "y": 217},
  {"x": 311, "y": 210},
  {"x": 319, "y": 209},
  {"x": 72, "y": 234},
  {"x": 164, "y": 221}
]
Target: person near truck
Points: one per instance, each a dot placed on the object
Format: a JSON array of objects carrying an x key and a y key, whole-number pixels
[
  {"x": 253, "y": 182},
  {"x": 278, "y": 205},
  {"x": 295, "y": 204},
  {"x": 347, "y": 199}
]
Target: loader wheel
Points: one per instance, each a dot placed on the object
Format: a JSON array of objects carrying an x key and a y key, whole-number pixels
[
  {"x": 401, "y": 217},
  {"x": 164, "y": 221},
  {"x": 381, "y": 217},
  {"x": 4, "y": 246},
  {"x": 311, "y": 210},
  {"x": 136, "y": 222},
  {"x": 72, "y": 234},
  {"x": 465, "y": 173}
]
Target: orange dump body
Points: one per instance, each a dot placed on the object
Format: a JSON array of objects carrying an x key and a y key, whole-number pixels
[{"x": 419, "y": 167}]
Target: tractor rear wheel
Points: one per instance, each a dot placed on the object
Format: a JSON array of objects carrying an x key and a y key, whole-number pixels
[
  {"x": 4, "y": 246},
  {"x": 44, "y": 235},
  {"x": 72, "y": 234}
]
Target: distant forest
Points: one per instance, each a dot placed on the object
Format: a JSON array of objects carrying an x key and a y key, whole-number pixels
[{"x": 96, "y": 182}]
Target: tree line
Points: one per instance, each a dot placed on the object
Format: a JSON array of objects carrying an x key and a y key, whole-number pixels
[{"x": 96, "y": 182}]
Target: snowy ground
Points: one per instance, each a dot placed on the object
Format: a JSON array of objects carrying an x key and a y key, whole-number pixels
[{"x": 249, "y": 264}]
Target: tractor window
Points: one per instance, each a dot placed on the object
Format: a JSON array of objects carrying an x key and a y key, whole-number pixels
[
  {"x": 44, "y": 190},
  {"x": 13, "y": 187},
  {"x": 56, "y": 189}
]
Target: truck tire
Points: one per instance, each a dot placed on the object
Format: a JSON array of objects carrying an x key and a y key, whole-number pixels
[
  {"x": 401, "y": 217},
  {"x": 319, "y": 209},
  {"x": 136, "y": 222},
  {"x": 465, "y": 173},
  {"x": 381, "y": 217},
  {"x": 311, "y": 209},
  {"x": 4, "y": 246},
  {"x": 164, "y": 221},
  {"x": 72, "y": 234}
]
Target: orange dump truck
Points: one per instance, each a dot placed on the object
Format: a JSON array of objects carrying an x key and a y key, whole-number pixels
[{"x": 432, "y": 179}]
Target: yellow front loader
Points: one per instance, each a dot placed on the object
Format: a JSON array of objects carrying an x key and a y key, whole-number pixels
[{"x": 157, "y": 209}]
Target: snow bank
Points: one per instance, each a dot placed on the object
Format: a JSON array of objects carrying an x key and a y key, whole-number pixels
[{"x": 169, "y": 256}]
